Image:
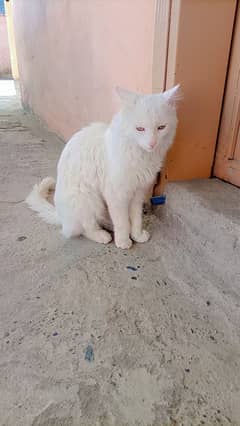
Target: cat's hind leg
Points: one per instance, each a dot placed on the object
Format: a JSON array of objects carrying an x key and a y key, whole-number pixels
[
  {"x": 91, "y": 224},
  {"x": 91, "y": 231},
  {"x": 98, "y": 235},
  {"x": 71, "y": 225},
  {"x": 81, "y": 218}
]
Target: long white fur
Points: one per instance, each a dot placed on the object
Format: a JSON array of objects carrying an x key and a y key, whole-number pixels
[{"x": 105, "y": 171}]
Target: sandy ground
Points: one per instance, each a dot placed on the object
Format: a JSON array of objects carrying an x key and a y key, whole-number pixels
[{"x": 92, "y": 335}]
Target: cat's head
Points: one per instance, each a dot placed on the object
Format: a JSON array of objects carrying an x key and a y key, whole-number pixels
[{"x": 150, "y": 120}]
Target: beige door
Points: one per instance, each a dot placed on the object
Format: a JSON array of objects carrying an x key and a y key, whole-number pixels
[{"x": 227, "y": 162}]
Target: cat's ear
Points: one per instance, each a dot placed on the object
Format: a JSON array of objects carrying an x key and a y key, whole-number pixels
[
  {"x": 127, "y": 98},
  {"x": 173, "y": 96}
]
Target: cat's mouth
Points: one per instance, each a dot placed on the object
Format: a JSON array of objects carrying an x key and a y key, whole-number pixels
[{"x": 150, "y": 148}]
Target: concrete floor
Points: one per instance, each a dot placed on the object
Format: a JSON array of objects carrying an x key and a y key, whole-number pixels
[{"x": 87, "y": 341}]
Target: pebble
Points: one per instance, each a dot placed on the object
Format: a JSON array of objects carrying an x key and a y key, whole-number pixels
[
  {"x": 89, "y": 354},
  {"x": 132, "y": 268},
  {"x": 21, "y": 238}
]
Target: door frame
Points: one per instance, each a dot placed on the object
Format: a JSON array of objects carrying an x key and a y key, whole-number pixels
[
  {"x": 226, "y": 166},
  {"x": 184, "y": 53}
]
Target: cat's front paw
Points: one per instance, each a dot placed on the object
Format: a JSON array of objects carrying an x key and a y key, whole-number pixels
[
  {"x": 124, "y": 244},
  {"x": 143, "y": 237}
]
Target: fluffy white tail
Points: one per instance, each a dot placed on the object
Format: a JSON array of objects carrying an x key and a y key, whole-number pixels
[{"x": 38, "y": 201}]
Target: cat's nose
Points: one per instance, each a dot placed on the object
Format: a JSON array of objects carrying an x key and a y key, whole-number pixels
[{"x": 153, "y": 143}]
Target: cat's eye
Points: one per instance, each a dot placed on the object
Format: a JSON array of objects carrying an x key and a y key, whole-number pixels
[
  {"x": 162, "y": 127},
  {"x": 140, "y": 129}
]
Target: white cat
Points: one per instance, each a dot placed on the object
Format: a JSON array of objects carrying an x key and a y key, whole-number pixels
[{"x": 107, "y": 170}]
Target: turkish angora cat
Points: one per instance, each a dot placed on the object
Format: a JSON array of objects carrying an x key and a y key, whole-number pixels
[{"x": 107, "y": 170}]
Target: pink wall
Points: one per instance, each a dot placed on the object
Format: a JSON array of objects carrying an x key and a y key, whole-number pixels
[
  {"x": 5, "y": 64},
  {"x": 71, "y": 54}
]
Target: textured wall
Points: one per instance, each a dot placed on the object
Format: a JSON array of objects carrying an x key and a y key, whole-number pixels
[
  {"x": 71, "y": 54},
  {"x": 5, "y": 64}
]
